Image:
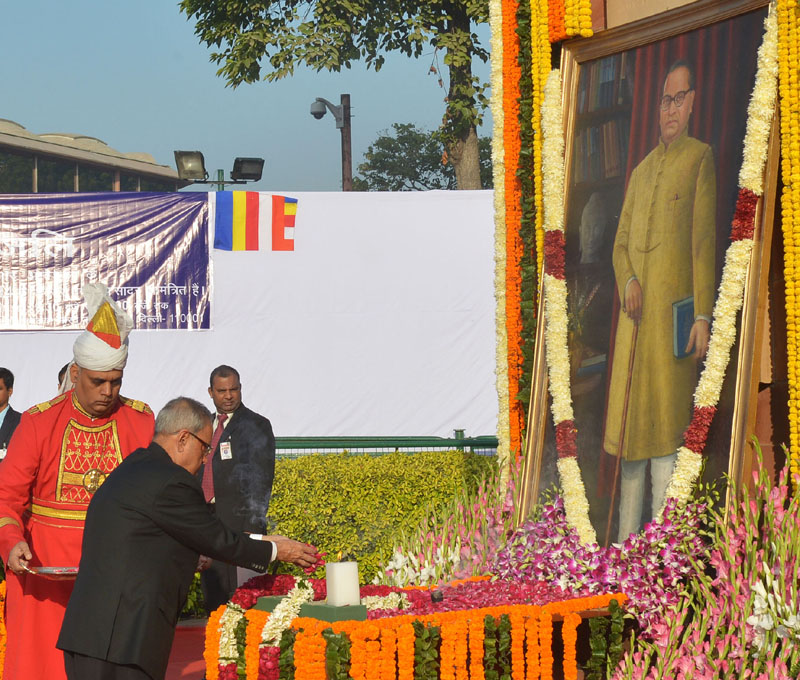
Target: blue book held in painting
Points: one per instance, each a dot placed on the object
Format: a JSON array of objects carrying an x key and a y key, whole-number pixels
[{"x": 682, "y": 322}]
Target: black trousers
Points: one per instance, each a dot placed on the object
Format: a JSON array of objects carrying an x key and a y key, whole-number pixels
[
  {"x": 218, "y": 584},
  {"x": 80, "y": 667}
]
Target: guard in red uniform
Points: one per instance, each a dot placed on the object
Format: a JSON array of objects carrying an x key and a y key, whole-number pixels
[{"x": 59, "y": 456}]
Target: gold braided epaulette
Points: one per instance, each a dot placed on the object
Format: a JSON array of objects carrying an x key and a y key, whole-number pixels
[
  {"x": 136, "y": 405},
  {"x": 41, "y": 408}
]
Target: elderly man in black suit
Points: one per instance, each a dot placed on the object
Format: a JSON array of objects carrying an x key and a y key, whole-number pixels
[
  {"x": 9, "y": 418},
  {"x": 237, "y": 477},
  {"x": 145, "y": 530}
]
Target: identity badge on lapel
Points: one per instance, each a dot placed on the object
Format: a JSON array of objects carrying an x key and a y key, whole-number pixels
[{"x": 225, "y": 451}]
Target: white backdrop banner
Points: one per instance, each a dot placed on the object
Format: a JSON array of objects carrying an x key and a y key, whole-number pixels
[{"x": 380, "y": 322}]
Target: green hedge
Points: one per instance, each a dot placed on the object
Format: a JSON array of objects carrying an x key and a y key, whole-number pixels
[{"x": 357, "y": 503}]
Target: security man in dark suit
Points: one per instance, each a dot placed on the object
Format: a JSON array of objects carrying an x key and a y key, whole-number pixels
[
  {"x": 237, "y": 477},
  {"x": 146, "y": 528},
  {"x": 9, "y": 418}
]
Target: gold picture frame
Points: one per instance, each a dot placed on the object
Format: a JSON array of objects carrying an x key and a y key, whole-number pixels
[{"x": 613, "y": 85}]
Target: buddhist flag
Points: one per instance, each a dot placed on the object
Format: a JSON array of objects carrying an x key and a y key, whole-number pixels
[{"x": 250, "y": 220}]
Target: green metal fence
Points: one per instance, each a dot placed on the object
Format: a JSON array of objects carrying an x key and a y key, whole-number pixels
[{"x": 292, "y": 447}]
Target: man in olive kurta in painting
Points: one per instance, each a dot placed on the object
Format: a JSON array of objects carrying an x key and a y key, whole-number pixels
[{"x": 663, "y": 253}]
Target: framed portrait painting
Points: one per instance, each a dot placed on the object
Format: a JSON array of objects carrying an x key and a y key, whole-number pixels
[{"x": 654, "y": 117}]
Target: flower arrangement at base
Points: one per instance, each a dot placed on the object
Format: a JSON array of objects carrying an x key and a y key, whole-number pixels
[
  {"x": 740, "y": 619},
  {"x": 651, "y": 568},
  {"x": 472, "y": 614}
]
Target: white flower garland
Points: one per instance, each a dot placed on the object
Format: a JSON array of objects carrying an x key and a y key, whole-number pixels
[
  {"x": 555, "y": 290},
  {"x": 576, "y": 505},
  {"x": 555, "y": 306},
  {"x": 498, "y": 173},
  {"x": 228, "y": 622},
  {"x": 737, "y": 258},
  {"x": 555, "y": 312},
  {"x": 285, "y": 612},
  {"x": 684, "y": 475},
  {"x": 761, "y": 108},
  {"x": 553, "y": 153},
  {"x": 729, "y": 300}
]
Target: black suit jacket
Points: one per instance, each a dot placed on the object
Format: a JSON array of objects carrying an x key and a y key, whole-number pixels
[
  {"x": 145, "y": 528},
  {"x": 9, "y": 425},
  {"x": 243, "y": 482}
]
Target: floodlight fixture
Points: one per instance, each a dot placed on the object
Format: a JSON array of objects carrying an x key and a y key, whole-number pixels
[
  {"x": 247, "y": 169},
  {"x": 191, "y": 166}
]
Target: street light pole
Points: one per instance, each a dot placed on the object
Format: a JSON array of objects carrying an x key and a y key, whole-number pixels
[{"x": 347, "y": 145}]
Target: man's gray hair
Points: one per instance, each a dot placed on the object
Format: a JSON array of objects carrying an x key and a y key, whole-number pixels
[{"x": 182, "y": 413}]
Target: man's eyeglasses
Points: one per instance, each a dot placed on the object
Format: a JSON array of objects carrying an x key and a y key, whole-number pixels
[
  {"x": 206, "y": 447},
  {"x": 678, "y": 99}
]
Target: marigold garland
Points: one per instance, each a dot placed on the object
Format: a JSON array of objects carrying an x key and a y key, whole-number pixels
[
  {"x": 405, "y": 651},
  {"x": 358, "y": 656},
  {"x": 540, "y": 68},
  {"x": 545, "y": 645},
  {"x": 518, "y": 646},
  {"x": 388, "y": 653},
  {"x": 789, "y": 72},
  {"x": 569, "y": 633},
  {"x": 462, "y": 649},
  {"x": 447, "y": 652},
  {"x": 513, "y": 214},
  {"x": 387, "y": 645},
  {"x": 557, "y": 29},
  {"x": 547, "y": 25},
  {"x": 476, "y": 635},
  {"x": 508, "y": 244},
  {"x": 252, "y": 656},
  {"x": 211, "y": 651},
  {"x": 585, "y": 18},
  {"x": 532, "y": 646},
  {"x": 309, "y": 653},
  {"x": 571, "y": 17}
]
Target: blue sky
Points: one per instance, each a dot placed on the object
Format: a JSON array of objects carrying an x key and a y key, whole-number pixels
[{"x": 134, "y": 75}]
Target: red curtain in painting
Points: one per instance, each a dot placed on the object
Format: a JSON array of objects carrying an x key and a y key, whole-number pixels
[{"x": 723, "y": 56}]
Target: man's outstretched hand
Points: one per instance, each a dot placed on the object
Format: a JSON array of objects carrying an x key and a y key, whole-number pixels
[{"x": 301, "y": 554}]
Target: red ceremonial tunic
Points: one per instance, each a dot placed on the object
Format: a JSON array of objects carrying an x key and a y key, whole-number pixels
[{"x": 58, "y": 457}]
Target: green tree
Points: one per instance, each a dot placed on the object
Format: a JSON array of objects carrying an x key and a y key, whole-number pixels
[
  {"x": 255, "y": 36},
  {"x": 412, "y": 159}
]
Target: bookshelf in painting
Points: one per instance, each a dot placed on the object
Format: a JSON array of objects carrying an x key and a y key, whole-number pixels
[{"x": 596, "y": 183}]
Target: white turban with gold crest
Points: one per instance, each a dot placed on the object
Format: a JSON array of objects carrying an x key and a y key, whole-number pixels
[{"x": 103, "y": 346}]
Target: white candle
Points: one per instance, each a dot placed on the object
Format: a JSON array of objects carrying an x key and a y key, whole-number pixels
[{"x": 341, "y": 579}]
